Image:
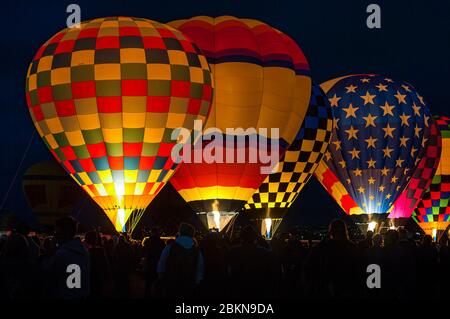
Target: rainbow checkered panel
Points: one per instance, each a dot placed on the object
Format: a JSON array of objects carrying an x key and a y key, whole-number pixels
[
  {"x": 423, "y": 174},
  {"x": 106, "y": 97},
  {"x": 280, "y": 189},
  {"x": 434, "y": 206}
]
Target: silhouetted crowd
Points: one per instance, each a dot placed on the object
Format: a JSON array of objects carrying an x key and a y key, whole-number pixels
[{"x": 213, "y": 266}]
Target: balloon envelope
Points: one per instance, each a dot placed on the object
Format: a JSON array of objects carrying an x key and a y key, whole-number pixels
[
  {"x": 106, "y": 97},
  {"x": 433, "y": 211},
  {"x": 380, "y": 126},
  {"x": 262, "y": 81}
]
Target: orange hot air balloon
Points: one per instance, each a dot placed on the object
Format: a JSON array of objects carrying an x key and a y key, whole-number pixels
[
  {"x": 261, "y": 79},
  {"x": 105, "y": 98}
]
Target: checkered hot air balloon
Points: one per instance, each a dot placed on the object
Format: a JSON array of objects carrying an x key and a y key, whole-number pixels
[
  {"x": 422, "y": 176},
  {"x": 380, "y": 130},
  {"x": 270, "y": 203},
  {"x": 433, "y": 211},
  {"x": 105, "y": 98},
  {"x": 261, "y": 80}
]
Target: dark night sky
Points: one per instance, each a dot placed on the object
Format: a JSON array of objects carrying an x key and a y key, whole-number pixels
[{"x": 413, "y": 45}]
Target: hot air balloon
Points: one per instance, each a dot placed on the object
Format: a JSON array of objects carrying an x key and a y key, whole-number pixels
[
  {"x": 433, "y": 212},
  {"x": 421, "y": 179},
  {"x": 262, "y": 81},
  {"x": 50, "y": 192},
  {"x": 380, "y": 130},
  {"x": 106, "y": 97},
  {"x": 270, "y": 203}
]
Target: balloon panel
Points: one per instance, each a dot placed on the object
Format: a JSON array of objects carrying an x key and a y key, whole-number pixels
[
  {"x": 261, "y": 76},
  {"x": 229, "y": 184},
  {"x": 336, "y": 189}
]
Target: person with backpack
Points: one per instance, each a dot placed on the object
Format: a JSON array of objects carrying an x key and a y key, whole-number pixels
[{"x": 181, "y": 265}]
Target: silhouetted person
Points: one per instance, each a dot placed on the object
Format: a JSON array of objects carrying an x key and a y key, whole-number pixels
[
  {"x": 109, "y": 249},
  {"x": 70, "y": 252},
  {"x": 405, "y": 240},
  {"x": 374, "y": 254},
  {"x": 98, "y": 262},
  {"x": 24, "y": 230},
  {"x": 18, "y": 271},
  {"x": 293, "y": 258},
  {"x": 335, "y": 266},
  {"x": 214, "y": 252},
  {"x": 427, "y": 267},
  {"x": 398, "y": 267},
  {"x": 367, "y": 242},
  {"x": 250, "y": 267},
  {"x": 444, "y": 266},
  {"x": 181, "y": 266},
  {"x": 153, "y": 247},
  {"x": 123, "y": 260},
  {"x": 48, "y": 248}
]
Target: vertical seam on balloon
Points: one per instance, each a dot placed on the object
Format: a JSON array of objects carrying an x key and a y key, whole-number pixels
[
  {"x": 257, "y": 122},
  {"x": 108, "y": 197}
]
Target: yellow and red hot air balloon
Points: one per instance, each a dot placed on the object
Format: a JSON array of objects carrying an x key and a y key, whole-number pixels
[
  {"x": 105, "y": 98},
  {"x": 261, "y": 79}
]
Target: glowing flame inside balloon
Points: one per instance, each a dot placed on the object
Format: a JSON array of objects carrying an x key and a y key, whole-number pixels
[
  {"x": 434, "y": 234},
  {"x": 372, "y": 226},
  {"x": 120, "y": 188},
  {"x": 216, "y": 214},
  {"x": 392, "y": 227},
  {"x": 268, "y": 222},
  {"x": 216, "y": 217},
  {"x": 121, "y": 217}
]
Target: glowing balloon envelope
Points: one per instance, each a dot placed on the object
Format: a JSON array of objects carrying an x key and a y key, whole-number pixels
[
  {"x": 433, "y": 211},
  {"x": 380, "y": 130},
  {"x": 262, "y": 81},
  {"x": 105, "y": 98},
  {"x": 422, "y": 177}
]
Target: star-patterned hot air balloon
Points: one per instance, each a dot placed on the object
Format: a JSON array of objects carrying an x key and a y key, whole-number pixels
[
  {"x": 407, "y": 201},
  {"x": 421, "y": 178},
  {"x": 262, "y": 81},
  {"x": 270, "y": 203},
  {"x": 105, "y": 98},
  {"x": 380, "y": 130},
  {"x": 433, "y": 211}
]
